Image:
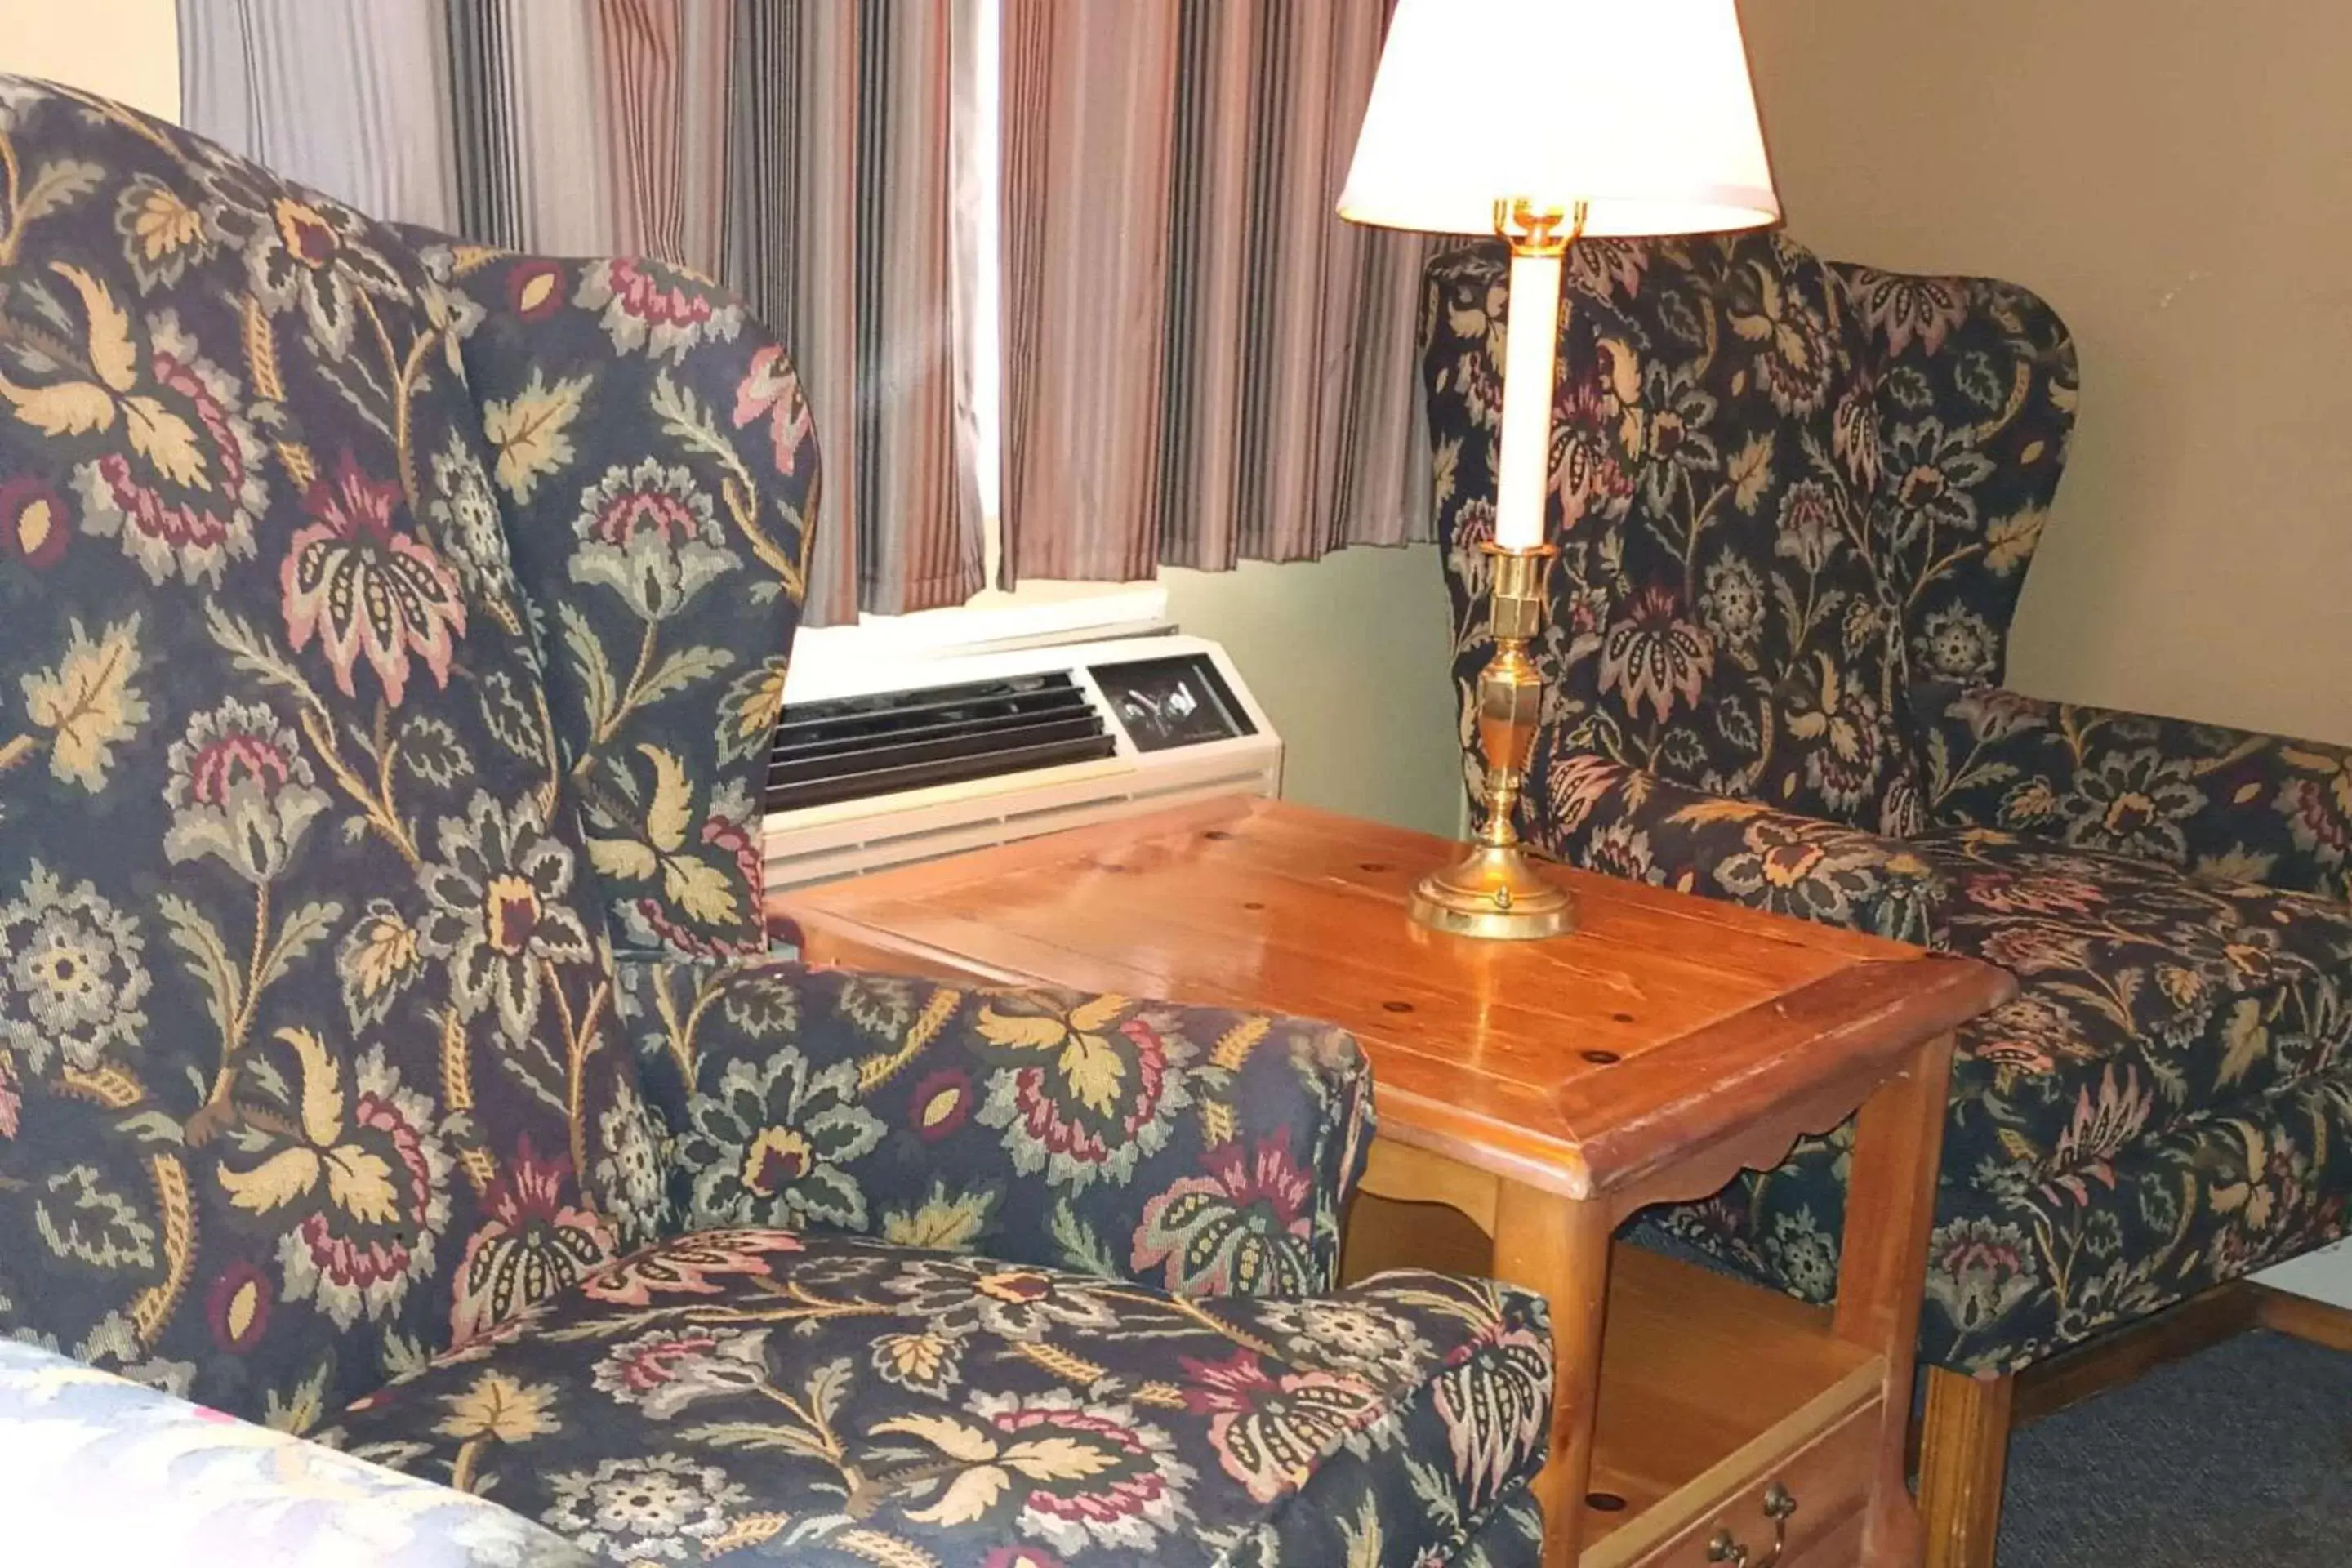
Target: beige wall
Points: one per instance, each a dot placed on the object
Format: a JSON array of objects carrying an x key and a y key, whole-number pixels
[
  {"x": 2176, "y": 176},
  {"x": 126, "y": 49},
  {"x": 1351, "y": 658}
]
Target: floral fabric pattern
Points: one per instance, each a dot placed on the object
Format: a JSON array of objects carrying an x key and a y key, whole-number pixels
[
  {"x": 343, "y": 572},
  {"x": 299, "y": 981},
  {"x": 920, "y": 1406},
  {"x": 1196, "y": 1148},
  {"x": 657, "y": 470},
  {"x": 2156, "y": 1110},
  {"x": 2223, "y": 804}
]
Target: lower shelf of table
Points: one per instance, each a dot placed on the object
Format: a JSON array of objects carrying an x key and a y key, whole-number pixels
[{"x": 1712, "y": 1390}]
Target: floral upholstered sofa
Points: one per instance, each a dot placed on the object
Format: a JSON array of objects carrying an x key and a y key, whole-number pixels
[
  {"x": 1803, "y": 499},
  {"x": 391, "y": 633}
]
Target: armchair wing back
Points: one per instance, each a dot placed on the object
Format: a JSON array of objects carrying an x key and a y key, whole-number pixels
[
  {"x": 305, "y": 1040},
  {"x": 1779, "y": 486},
  {"x": 657, "y": 470},
  {"x": 1972, "y": 382}
]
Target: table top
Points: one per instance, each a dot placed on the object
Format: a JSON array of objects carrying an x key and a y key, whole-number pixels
[{"x": 1664, "y": 1023}]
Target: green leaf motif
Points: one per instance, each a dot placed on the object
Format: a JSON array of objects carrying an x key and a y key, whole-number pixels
[
  {"x": 56, "y": 182},
  {"x": 80, "y": 1219},
  {"x": 602, "y": 692},
  {"x": 208, "y": 958},
  {"x": 681, "y": 669},
  {"x": 510, "y": 717},
  {"x": 303, "y": 930},
  {"x": 1081, "y": 1247}
]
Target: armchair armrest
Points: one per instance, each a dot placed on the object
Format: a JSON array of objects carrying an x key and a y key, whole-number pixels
[
  {"x": 94, "y": 1469},
  {"x": 2219, "y": 802},
  {"x": 1607, "y": 817},
  {"x": 1202, "y": 1150}
]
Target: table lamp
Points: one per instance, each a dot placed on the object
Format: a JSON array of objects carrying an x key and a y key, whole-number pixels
[{"x": 1541, "y": 122}]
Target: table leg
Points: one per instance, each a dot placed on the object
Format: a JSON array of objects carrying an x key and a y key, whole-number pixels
[
  {"x": 1890, "y": 1208},
  {"x": 1558, "y": 1247}
]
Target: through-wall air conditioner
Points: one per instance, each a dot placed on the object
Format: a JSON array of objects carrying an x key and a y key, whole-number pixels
[{"x": 878, "y": 763}]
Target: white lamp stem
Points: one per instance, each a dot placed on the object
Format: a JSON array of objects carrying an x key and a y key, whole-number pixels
[{"x": 1531, "y": 350}]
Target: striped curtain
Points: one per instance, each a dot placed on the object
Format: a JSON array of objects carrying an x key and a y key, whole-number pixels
[
  {"x": 797, "y": 150},
  {"x": 1202, "y": 362}
]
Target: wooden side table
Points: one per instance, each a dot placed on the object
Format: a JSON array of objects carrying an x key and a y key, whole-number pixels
[{"x": 1545, "y": 1091}]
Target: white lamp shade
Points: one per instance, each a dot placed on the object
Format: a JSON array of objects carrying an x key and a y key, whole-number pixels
[{"x": 1640, "y": 109}]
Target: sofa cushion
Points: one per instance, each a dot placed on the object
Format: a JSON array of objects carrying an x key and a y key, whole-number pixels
[
  {"x": 657, "y": 470},
  {"x": 1718, "y": 617},
  {"x": 754, "y": 1394},
  {"x": 2158, "y": 1112},
  {"x": 2145, "y": 996},
  {"x": 302, "y": 1017}
]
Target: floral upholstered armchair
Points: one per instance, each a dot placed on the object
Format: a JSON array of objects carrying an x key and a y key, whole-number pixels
[
  {"x": 1796, "y": 501},
  {"x": 390, "y": 633}
]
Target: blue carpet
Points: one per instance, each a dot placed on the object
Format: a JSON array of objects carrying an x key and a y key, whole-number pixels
[{"x": 2240, "y": 1454}]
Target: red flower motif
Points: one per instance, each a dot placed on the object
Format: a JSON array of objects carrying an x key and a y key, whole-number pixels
[
  {"x": 1269, "y": 1431},
  {"x": 1657, "y": 655},
  {"x": 1241, "y": 1229},
  {"x": 536, "y": 1243},
  {"x": 742, "y": 846},
  {"x": 770, "y": 389},
  {"x": 691, "y": 1267},
  {"x": 2010, "y": 892},
  {"x": 214, "y": 517},
  {"x": 644, "y": 295},
  {"x": 360, "y": 586},
  {"x": 33, "y": 526},
  {"x": 1045, "y": 1119}
]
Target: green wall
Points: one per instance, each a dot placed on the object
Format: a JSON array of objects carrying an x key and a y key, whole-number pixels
[{"x": 1350, "y": 655}]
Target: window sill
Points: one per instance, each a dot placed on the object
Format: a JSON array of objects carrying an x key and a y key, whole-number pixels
[{"x": 1032, "y": 616}]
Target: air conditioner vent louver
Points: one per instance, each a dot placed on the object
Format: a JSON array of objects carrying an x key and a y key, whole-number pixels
[{"x": 852, "y": 748}]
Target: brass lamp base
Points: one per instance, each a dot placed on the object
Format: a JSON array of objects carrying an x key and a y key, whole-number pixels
[{"x": 1495, "y": 891}]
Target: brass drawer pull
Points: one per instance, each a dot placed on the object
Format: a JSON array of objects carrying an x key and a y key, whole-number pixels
[{"x": 1780, "y": 1502}]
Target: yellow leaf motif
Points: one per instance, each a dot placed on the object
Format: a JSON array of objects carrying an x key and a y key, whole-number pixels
[
  {"x": 944, "y": 1224},
  {"x": 1057, "y": 1459},
  {"x": 532, "y": 432},
  {"x": 1023, "y": 1031},
  {"x": 276, "y": 1182},
  {"x": 1095, "y": 1071},
  {"x": 497, "y": 1406},
  {"x": 972, "y": 1444},
  {"x": 165, "y": 440},
  {"x": 704, "y": 891},
  {"x": 87, "y": 702},
  {"x": 1097, "y": 1012},
  {"x": 67, "y": 408},
  {"x": 322, "y": 1088},
  {"x": 360, "y": 1182},
  {"x": 2245, "y": 1039},
  {"x": 2009, "y": 542},
  {"x": 967, "y": 1498},
  {"x": 622, "y": 858},
  {"x": 110, "y": 352},
  {"x": 667, "y": 818}
]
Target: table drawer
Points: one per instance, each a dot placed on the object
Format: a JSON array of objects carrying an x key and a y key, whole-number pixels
[{"x": 1806, "y": 1500}]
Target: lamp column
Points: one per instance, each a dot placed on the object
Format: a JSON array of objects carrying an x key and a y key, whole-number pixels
[{"x": 1497, "y": 890}]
